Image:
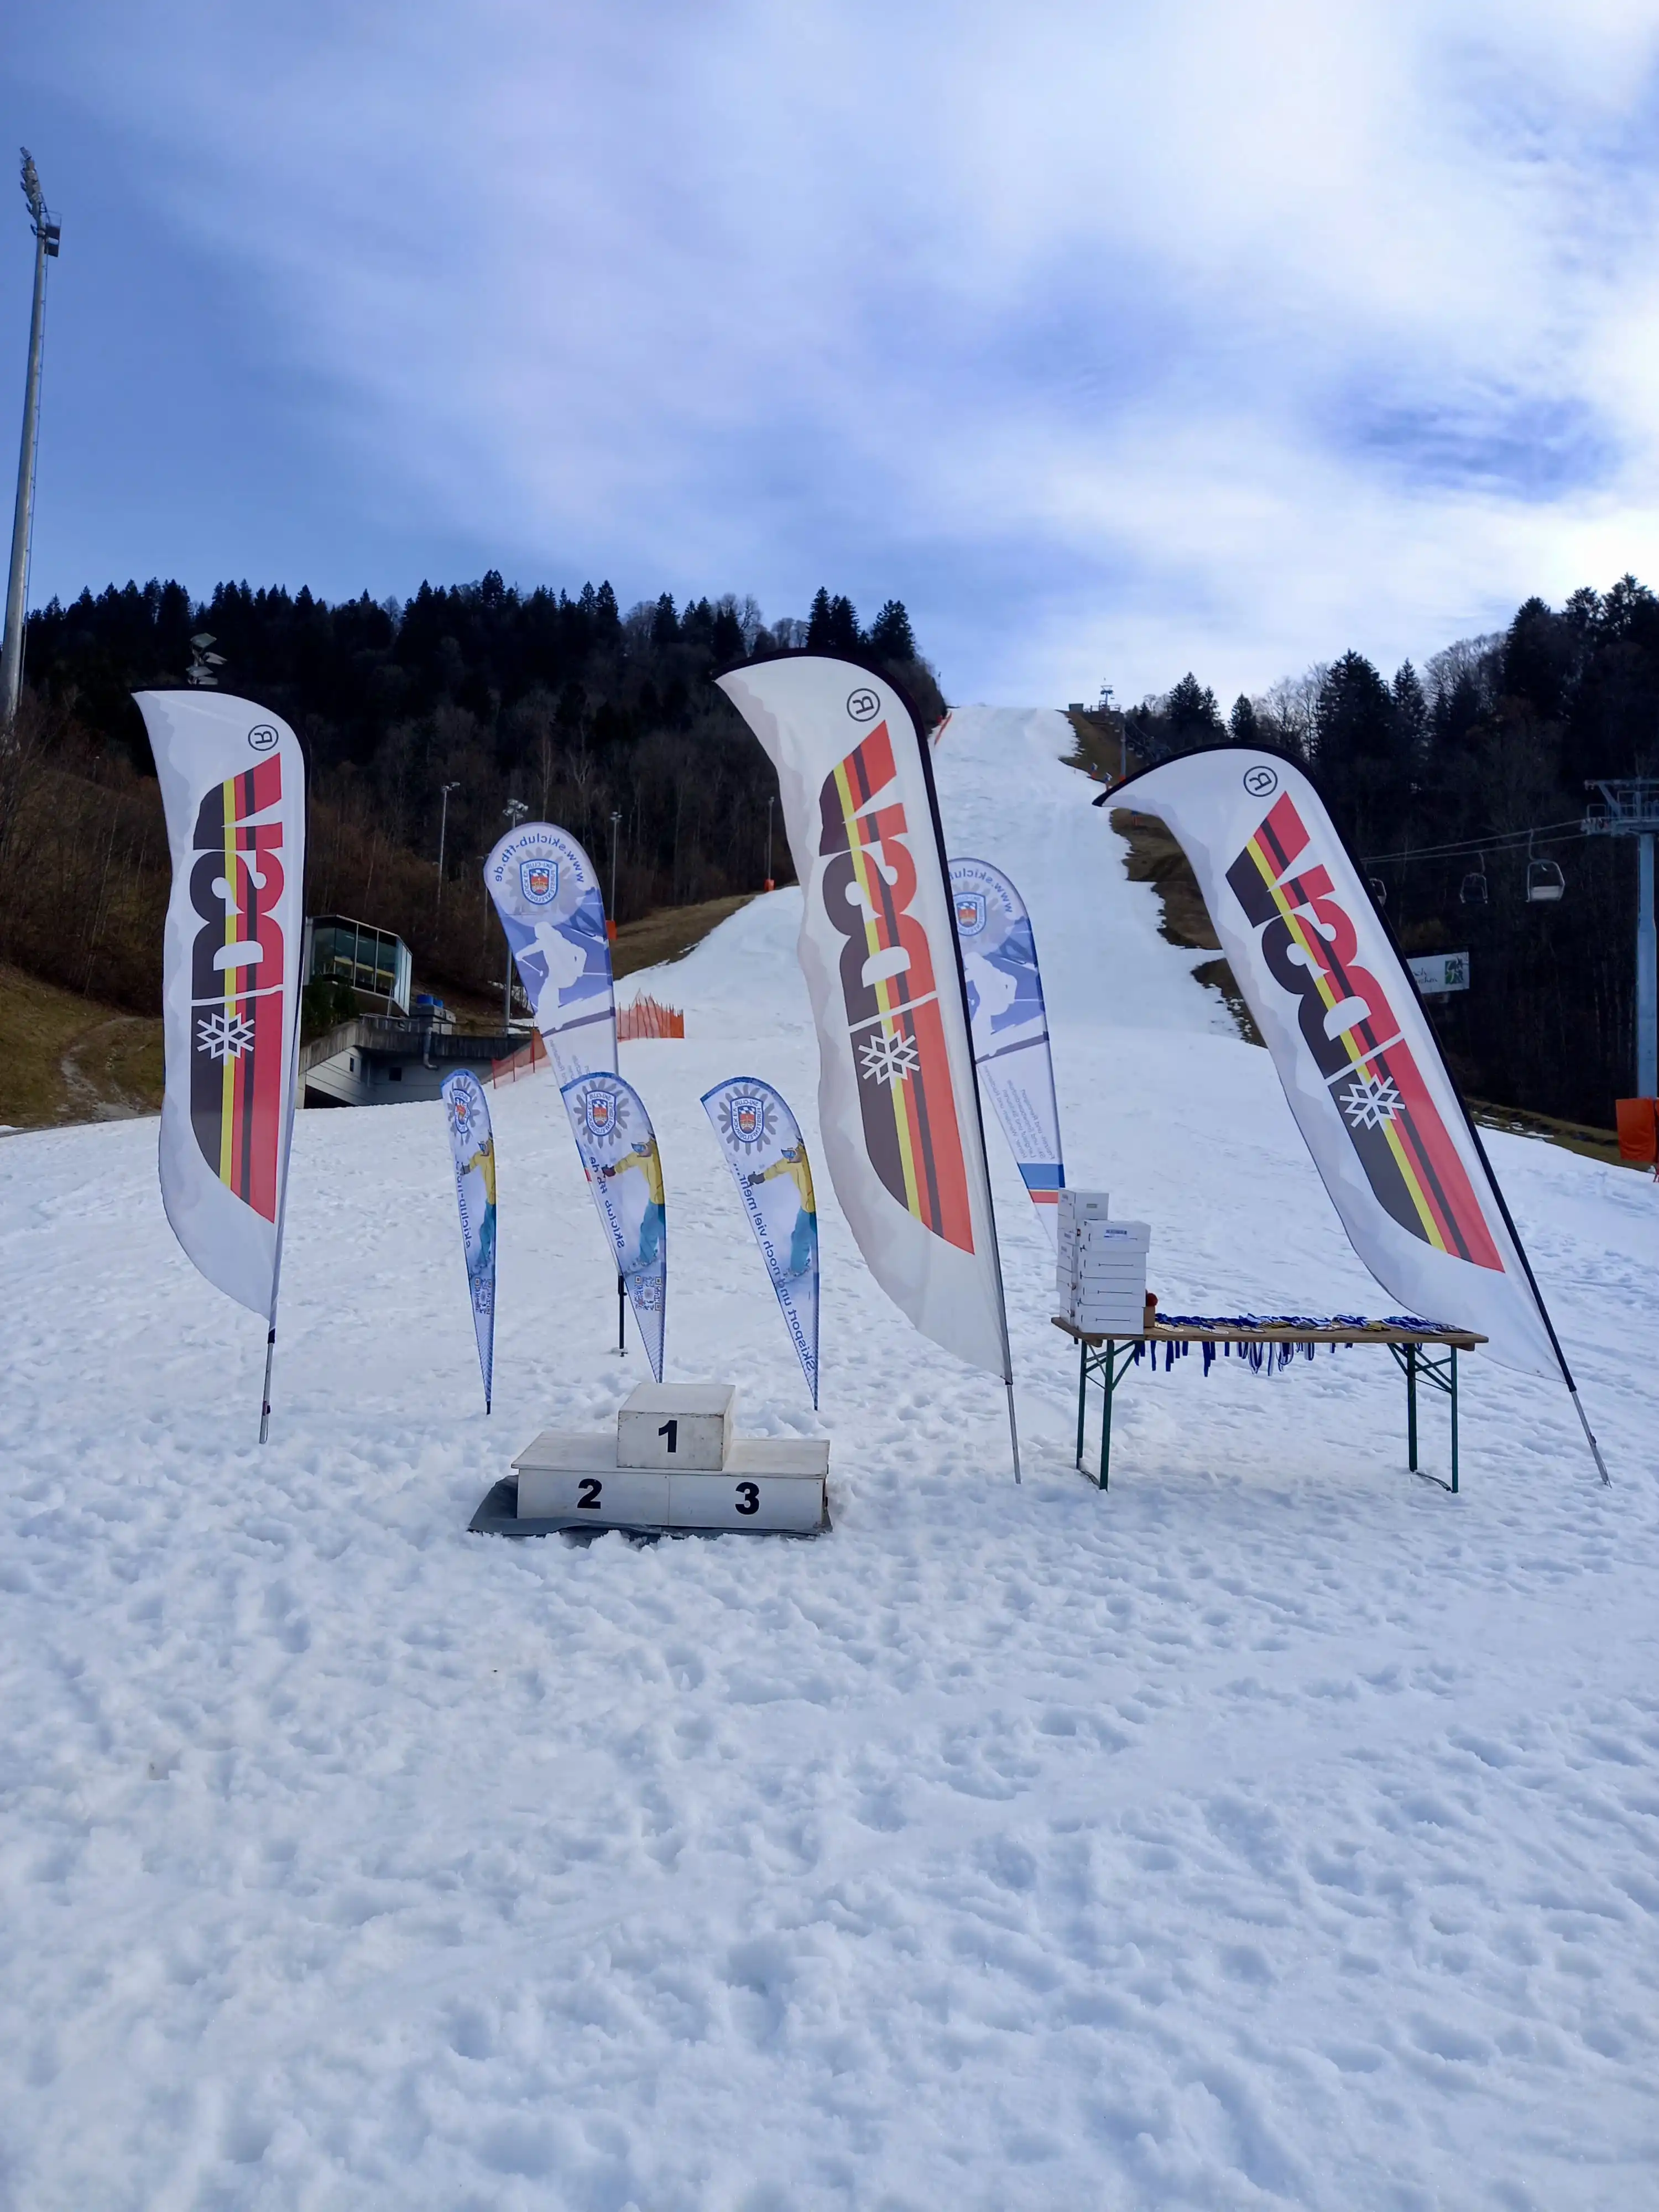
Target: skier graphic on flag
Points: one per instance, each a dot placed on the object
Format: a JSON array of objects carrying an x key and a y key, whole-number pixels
[
  {"x": 654, "y": 1214},
  {"x": 803, "y": 1235}
]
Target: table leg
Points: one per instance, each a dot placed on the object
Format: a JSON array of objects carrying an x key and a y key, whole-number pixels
[
  {"x": 1106, "y": 1414},
  {"x": 1082, "y": 1396},
  {"x": 1453, "y": 1400},
  {"x": 1411, "y": 1407}
]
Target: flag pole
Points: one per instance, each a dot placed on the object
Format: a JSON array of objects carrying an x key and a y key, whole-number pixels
[
  {"x": 282, "y": 1202},
  {"x": 1583, "y": 1422},
  {"x": 621, "y": 1316}
]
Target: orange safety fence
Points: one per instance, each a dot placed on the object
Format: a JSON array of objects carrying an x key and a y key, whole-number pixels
[
  {"x": 646, "y": 1018},
  {"x": 527, "y": 1059}
]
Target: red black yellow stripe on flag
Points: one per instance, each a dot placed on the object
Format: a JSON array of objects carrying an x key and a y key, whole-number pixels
[
  {"x": 895, "y": 1032},
  {"x": 1309, "y": 944},
  {"x": 237, "y": 972}
]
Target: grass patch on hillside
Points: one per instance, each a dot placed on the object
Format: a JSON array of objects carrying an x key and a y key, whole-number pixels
[{"x": 63, "y": 1058}]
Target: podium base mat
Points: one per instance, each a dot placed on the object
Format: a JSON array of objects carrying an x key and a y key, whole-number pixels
[{"x": 498, "y": 1516}]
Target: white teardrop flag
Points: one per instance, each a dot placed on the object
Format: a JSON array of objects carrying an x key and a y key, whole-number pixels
[
  {"x": 548, "y": 896},
  {"x": 897, "y": 1099},
  {"x": 618, "y": 1148},
  {"x": 233, "y": 789},
  {"x": 1011, "y": 1026}
]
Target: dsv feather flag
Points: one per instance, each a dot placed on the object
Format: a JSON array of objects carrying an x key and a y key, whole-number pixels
[
  {"x": 472, "y": 1149},
  {"x": 548, "y": 897},
  {"x": 1010, "y": 1026},
  {"x": 1352, "y": 1047},
  {"x": 767, "y": 1155},
  {"x": 232, "y": 784},
  {"x": 619, "y": 1147},
  {"x": 897, "y": 1099}
]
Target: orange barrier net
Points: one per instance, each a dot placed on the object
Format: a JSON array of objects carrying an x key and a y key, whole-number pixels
[
  {"x": 646, "y": 1018},
  {"x": 527, "y": 1059}
]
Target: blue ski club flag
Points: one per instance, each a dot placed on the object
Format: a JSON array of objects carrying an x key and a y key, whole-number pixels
[
  {"x": 472, "y": 1147},
  {"x": 1010, "y": 1026},
  {"x": 764, "y": 1148},
  {"x": 618, "y": 1149}
]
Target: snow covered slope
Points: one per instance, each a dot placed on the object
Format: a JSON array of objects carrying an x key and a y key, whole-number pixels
[{"x": 1275, "y": 1830}]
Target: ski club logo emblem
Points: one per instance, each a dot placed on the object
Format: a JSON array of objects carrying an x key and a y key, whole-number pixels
[
  {"x": 747, "y": 1120},
  {"x": 603, "y": 1113},
  {"x": 1260, "y": 781},
  {"x": 539, "y": 880},
  {"x": 262, "y": 737},
  {"x": 970, "y": 913},
  {"x": 895, "y": 1029},
  {"x": 1309, "y": 947},
  {"x": 863, "y": 704}
]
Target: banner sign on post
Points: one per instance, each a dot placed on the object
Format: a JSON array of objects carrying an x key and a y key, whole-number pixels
[
  {"x": 897, "y": 1103},
  {"x": 1010, "y": 1026},
  {"x": 548, "y": 897},
  {"x": 1352, "y": 1044},
  {"x": 767, "y": 1155},
  {"x": 233, "y": 789},
  {"x": 618, "y": 1148},
  {"x": 472, "y": 1147}
]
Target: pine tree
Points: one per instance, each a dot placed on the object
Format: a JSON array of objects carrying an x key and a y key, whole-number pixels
[
  {"x": 844, "y": 634},
  {"x": 1243, "y": 722},
  {"x": 664, "y": 624},
  {"x": 819, "y": 621},
  {"x": 890, "y": 637}
]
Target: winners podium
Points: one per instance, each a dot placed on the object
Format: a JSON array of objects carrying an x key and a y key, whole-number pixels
[{"x": 673, "y": 1466}]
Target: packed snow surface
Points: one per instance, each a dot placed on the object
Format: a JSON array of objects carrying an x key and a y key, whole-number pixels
[{"x": 1273, "y": 1830}]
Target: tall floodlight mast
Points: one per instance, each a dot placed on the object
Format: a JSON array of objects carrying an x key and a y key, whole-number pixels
[{"x": 47, "y": 234}]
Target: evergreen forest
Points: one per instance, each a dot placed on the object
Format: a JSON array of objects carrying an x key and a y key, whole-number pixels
[{"x": 601, "y": 720}]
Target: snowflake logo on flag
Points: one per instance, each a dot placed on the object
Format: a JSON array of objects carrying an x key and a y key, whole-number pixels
[
  {"x": 889, "y": 1060},
  {"x": 224, "y": 1036},
  {"x": 1371, "y": 1101}
]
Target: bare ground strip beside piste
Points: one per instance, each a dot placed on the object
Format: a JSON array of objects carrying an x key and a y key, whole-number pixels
[{"x": 1155, "y": 858}]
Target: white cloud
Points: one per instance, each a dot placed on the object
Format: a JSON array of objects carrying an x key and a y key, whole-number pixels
[{"x": 1115, "y": 340}]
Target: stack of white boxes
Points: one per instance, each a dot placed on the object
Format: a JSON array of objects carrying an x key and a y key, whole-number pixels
[{"x": 1101, "y": 1272}]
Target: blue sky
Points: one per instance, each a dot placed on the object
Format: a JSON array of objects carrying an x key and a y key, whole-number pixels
[{"x": 1114, "y": 340}]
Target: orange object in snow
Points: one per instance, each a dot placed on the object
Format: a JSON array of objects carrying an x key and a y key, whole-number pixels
[{"x": 1638, "y": 1131}]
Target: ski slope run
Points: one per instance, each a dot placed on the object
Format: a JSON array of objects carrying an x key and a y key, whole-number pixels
[{"x": 1276, "y": 1830}]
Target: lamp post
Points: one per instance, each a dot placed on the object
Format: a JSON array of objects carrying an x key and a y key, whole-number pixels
[
  {"x": 770, "y": 804},
  {"x": 47, "y": 234},
  {"x": 443, "y": 825},
  {"x": 611, "y": 919},
  {"x": 515, "y": 810}
]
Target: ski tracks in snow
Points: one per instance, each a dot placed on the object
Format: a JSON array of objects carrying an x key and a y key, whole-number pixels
[{"x": 1274, "y": 1830}]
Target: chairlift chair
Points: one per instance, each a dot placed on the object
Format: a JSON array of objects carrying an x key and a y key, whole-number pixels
[
  {"x": 1544, "y": 881},
  {"x": 1474, "y": 892},
  {"x": 1379, "y": 889}
]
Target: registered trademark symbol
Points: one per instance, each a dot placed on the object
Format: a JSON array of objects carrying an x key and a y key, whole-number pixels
[
  {"x": 863, "y": 706},
  {"x": 262, "y": 737},
  {"x": 1260, "y": 780}
]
